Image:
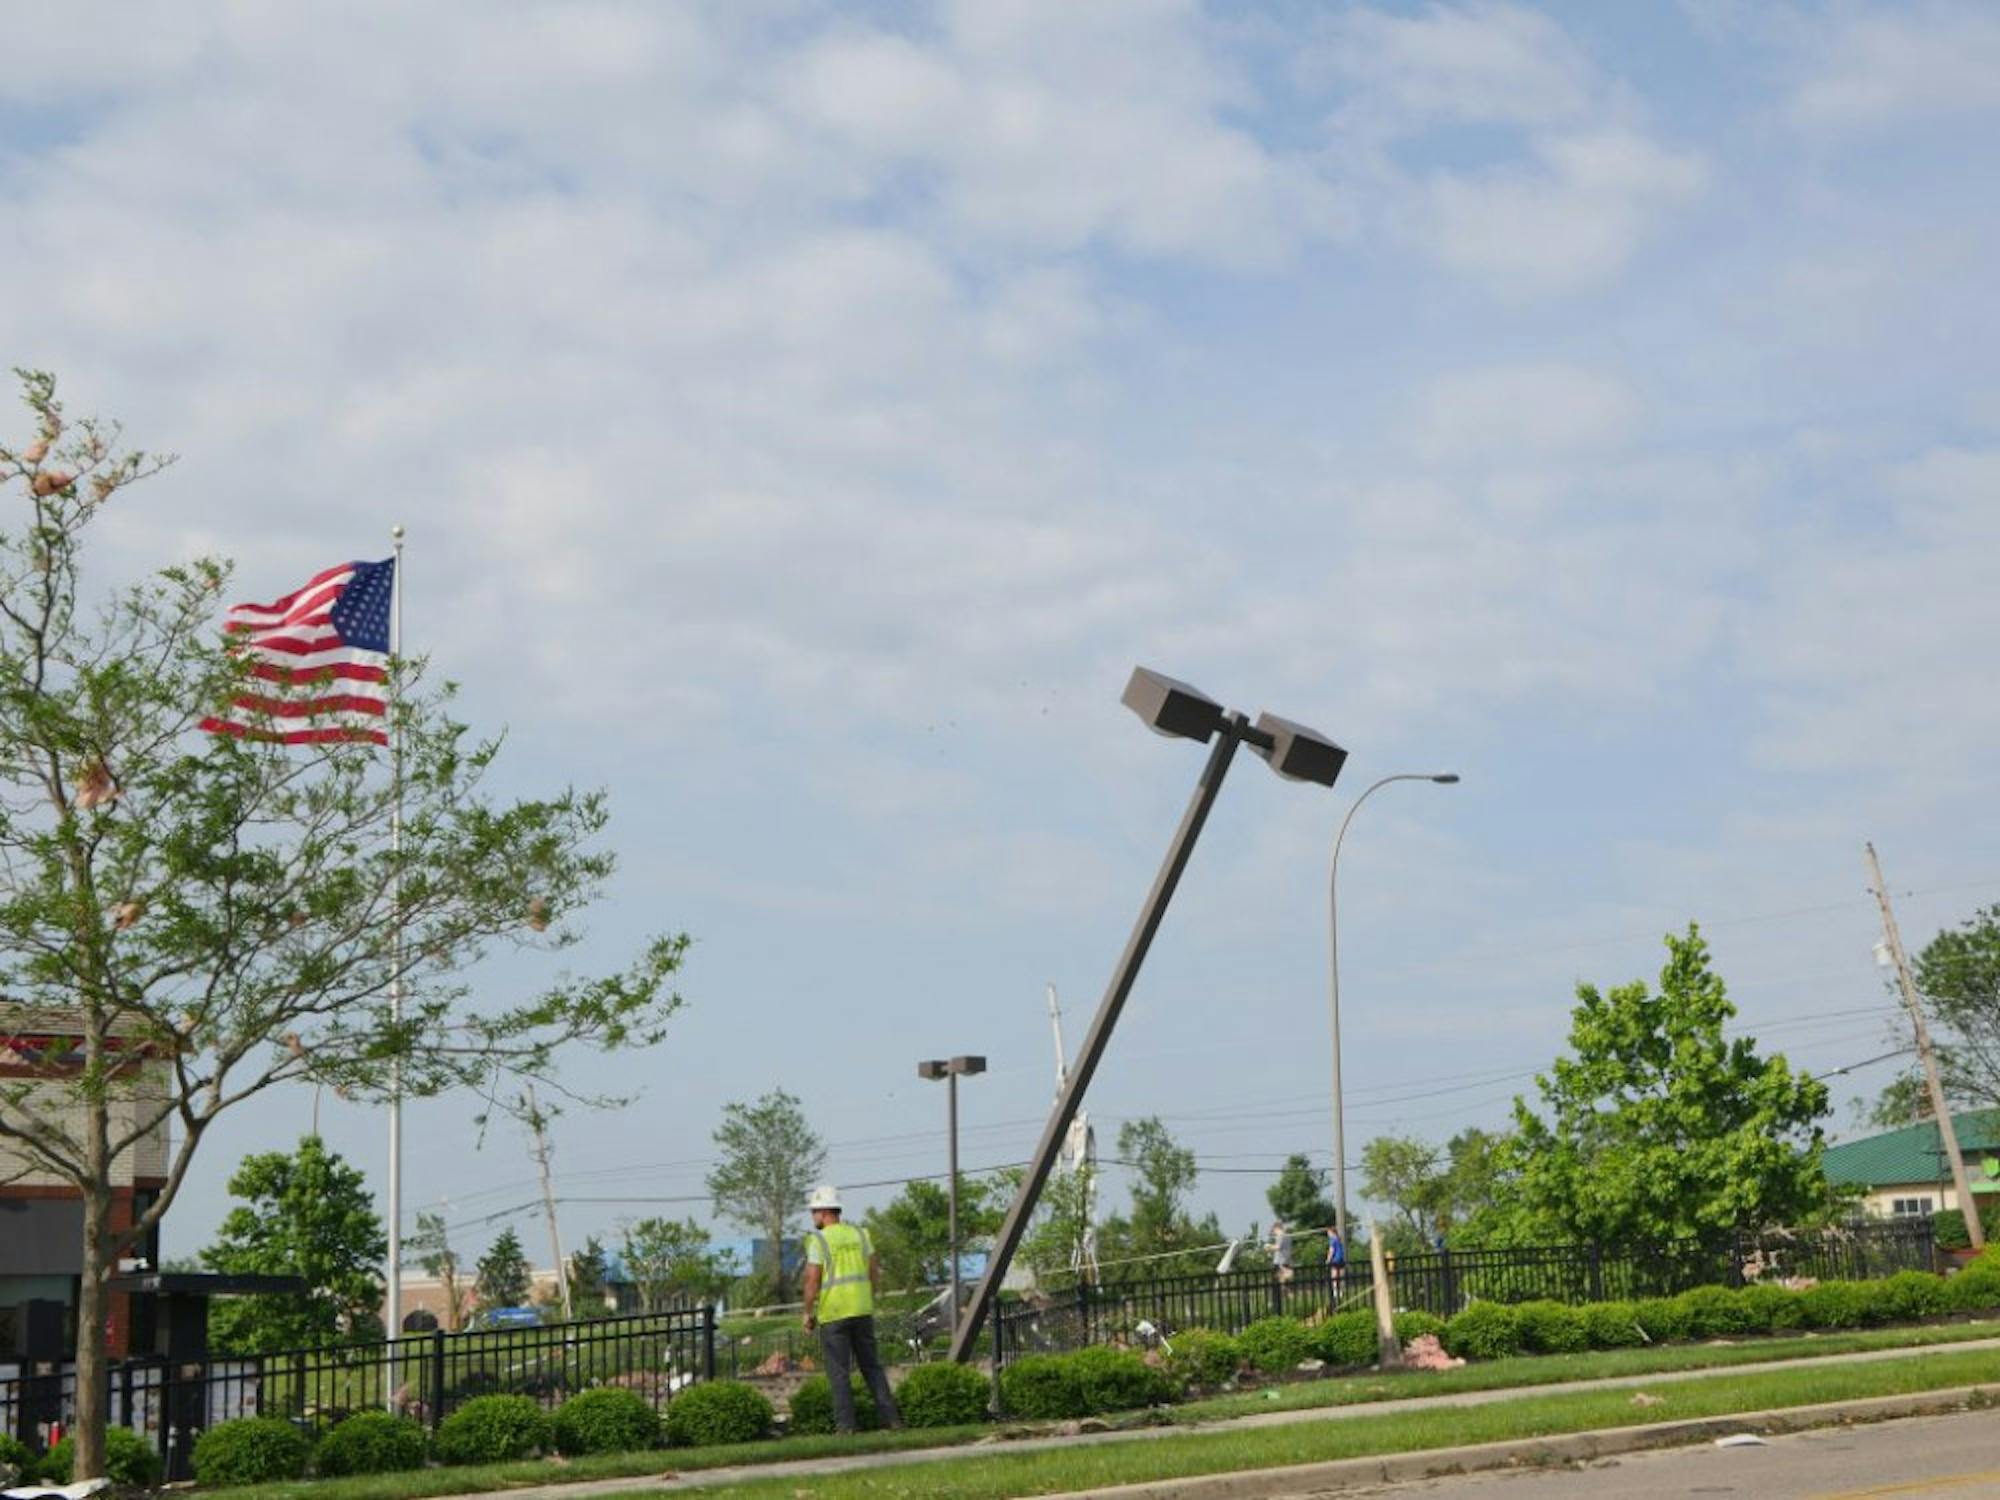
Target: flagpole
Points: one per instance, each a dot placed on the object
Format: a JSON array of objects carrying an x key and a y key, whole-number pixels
[{"x": 395, "y": 1319}]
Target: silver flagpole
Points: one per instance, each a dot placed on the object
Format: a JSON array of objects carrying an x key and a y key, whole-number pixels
[{"x": 395, "y": 1319}]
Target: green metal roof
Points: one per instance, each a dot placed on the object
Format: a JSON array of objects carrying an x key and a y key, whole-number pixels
[{"x": 1913, "y": 1154}]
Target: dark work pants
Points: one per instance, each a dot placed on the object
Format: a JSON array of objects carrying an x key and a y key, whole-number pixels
[{"x": 848, "y": 1342}]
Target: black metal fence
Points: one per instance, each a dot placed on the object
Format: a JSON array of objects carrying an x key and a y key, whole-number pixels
[
  {"x": 1445, "y": 1281},
  {"x": 425, "y": 1377}
]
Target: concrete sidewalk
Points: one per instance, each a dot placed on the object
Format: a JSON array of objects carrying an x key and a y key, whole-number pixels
[{"x": 672, "y": 1481}]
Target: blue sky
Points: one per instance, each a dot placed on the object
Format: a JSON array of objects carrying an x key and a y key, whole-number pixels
[{"x": 805, "y": 416}]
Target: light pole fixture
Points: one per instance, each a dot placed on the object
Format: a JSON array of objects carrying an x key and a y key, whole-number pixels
[
  {"x": 1173, "y": 708},
  {"x": 1441, "y": 778},
  {"x": 951, "y": 1070}
]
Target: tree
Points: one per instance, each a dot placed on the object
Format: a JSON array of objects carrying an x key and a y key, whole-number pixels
[
  {"x": 431, "y": 1248},
  {"x": 670, "y": 1259},
  {"x": 1053, "y": 1247},
  {"x": 1147, "y": 1241},
  {"x": 1407, "y": 1175},
  {"x": 211, "y": 916},
  {"x": 769, "y": 1161},
  {"x": 504, "y": 1277},
  {"x": 306, "y": 1214},
  {"x": 1297, "y": 1197},
  {"x": 912, "y": 1233},
  {"x": 1660, "y": 1128},
  {"x": 1958, "y": 974},
  {"x": 588, "y": 1275}
]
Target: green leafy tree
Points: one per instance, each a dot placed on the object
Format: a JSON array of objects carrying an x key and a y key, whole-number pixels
[
  {"x": 589, "y": 1275},
  {"x": 504, "y": 1278},
  {"x": 1159, "y": 1236},
  {"x": 213, "y": 916},
  {"x": 912, "y": 1233},
  {"x": 669, "y": 1260},
  {"x": 1298, "y": 1198},
  {"x": 768, "y": 1161},
  {"x": 307, "y": 1214},
  {"x": 430, "y": 1247},
  {"x": 1958, "y": 975},
  {"x": 1660, "y": 1127},
  {"x": 1053, "y": 1244},
  {"x": 1409, "y": 1177}
]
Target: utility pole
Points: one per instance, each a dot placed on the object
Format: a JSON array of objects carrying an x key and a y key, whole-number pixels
[
  {"x": 1947, "y": 1136},
  {"x": 535, "y": 1124}
]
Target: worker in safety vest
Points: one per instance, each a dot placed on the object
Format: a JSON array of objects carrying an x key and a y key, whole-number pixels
[{"x": 842, "y": 1273}]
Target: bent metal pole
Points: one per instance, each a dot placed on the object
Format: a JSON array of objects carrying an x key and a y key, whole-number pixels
[{"x": 1235, "y": 729}]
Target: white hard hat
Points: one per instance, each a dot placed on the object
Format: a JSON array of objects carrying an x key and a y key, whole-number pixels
[{"x": 826, "y": 1195}]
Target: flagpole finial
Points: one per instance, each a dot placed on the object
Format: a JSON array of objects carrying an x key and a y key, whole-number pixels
[{"x": 396, "y": 533}]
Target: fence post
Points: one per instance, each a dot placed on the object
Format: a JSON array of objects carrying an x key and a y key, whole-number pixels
[
  {"x": 1736, "y": 1258},
  {"x": 708, "y": 1340},
  {"x": 1450, "y": 1280},
  {"x": 436, "y": 1403},
  {"x": 1596, "y": 1272}
]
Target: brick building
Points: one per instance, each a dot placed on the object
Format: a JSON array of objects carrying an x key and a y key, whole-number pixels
[{"x": 41, "y": 1215}]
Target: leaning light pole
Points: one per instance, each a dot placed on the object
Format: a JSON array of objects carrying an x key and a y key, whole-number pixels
[
  {"x": 1176, "y": 710},
  {"x": 1442, "y": 778}
]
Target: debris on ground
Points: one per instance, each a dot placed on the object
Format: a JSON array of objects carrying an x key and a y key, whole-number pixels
[
  {"x": 1424, "y": 1352},
  {"x": 1741, "y": 1440},
  {"x": 1647, "y": 1398}
]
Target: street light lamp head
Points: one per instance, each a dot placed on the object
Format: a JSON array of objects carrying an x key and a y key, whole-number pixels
[
  {"x": 933, "y": 1070},
  {"x": 967, "y": 1066},
  {"x": 1448, "y": 778},
  {"x": 1298, "y": 753},
  {"x": 1171, "y": 707}
]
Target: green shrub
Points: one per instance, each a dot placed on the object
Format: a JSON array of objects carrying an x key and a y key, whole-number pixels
[
  {"x": 726, "y": 1411},
  {"x": 1202, "y": 1356},
  {"x": 1948, "y": 1228},
  {"x": 1415, "y": 1323},
  {"x": 1714, "y": 1312},
  {"x": 128, "y": 1459},
  {"x": 1550, "y": 1328},
  {"x": 942, "y": 1395},
  {"x": 1040, "y": 1387},
  {"x": 1909, "y": 1295},
  {"x": 606, "y": 1420},
  {"x": 1612, "y": 1325},
  {"x": 812, "y": 1406},
  {"x": 1771, "y": 1309},
  {"x": 1975, "y": 1289},
  {"x": 251, "y": 1450},
  {"x": 370, "y": 1442},
  {"x": 19, "y": 1457},
  {"x": 1485, "y": 1330},
  {"x": 1118, "y": 1380},
  {"x": 1276, "y": 1344},
  {"x": 1347, "y": 1339},
  {"x": 1840, "y": 1304},
  {"x": 1665, "y": 1319},
  {"x": 494, "y": 1429}
]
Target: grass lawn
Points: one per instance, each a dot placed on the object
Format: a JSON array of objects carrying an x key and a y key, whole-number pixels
[
  {"x": 1348, "y": 1391},
  {"x": 1000, "y": 1475}
]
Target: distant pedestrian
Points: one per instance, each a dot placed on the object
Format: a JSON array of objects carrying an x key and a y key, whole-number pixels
[
  {"x": 1336, "y": 1259},
  {"x": 842, "y": 1273},
  {"x": 1281, "y": 1249}
]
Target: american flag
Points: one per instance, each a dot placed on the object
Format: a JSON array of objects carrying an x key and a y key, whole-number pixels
[{"x": 327, "y": 648}]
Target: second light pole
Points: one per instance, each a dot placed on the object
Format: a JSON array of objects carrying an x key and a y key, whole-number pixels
[
  {"x": 1442, "y": 778},
  {"x": 951, "y": 1070}
]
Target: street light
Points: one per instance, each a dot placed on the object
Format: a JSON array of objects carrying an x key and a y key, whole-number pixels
[
  {"x": 950, "y": 1070},
  {"x": 1442, "y": 778},
  {"x": 1172, "y": 708}
]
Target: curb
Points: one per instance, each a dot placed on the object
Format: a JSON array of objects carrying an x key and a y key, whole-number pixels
[{"x": 1517, "y": 1453}]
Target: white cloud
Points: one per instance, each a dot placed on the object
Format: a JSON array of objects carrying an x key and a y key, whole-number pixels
[
  {"x": 1519, "y": 413},
  {"x": 1573, "y": 219},
  {"x": 1876, "y": 67}
]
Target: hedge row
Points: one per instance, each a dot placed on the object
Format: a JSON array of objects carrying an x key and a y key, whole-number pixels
[{"x": 1496, "y": 1330}]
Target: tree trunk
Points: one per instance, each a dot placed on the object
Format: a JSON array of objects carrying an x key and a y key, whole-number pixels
[{"x": 93, "y": 1385}]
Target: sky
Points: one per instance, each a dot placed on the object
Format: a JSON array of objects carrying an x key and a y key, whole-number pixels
[{"x": 805, "y": 416}]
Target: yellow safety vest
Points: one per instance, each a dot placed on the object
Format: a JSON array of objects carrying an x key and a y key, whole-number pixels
[{"x": 843, "y": 1254}]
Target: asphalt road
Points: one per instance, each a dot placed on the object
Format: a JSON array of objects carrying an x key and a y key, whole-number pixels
[{"x": 1953, "y": 1458}]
